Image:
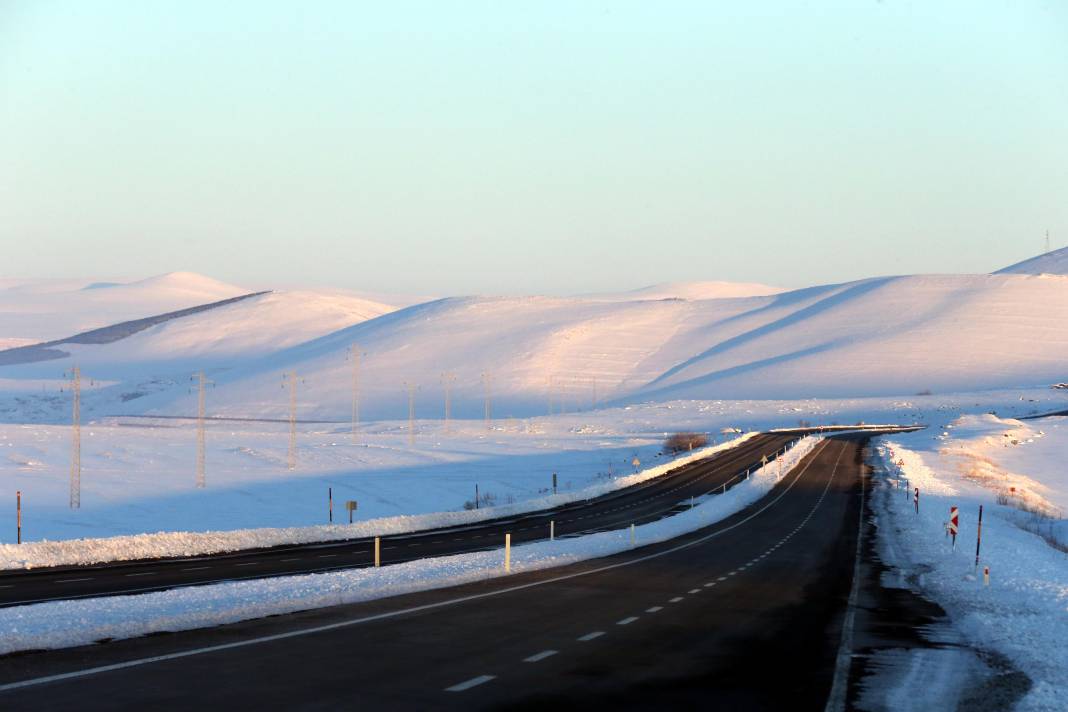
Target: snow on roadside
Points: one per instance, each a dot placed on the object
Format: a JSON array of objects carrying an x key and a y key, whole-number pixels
[
  {"x": 1023, "y": 614},
  {"x": 170, "y": 544},
  {"x": 78, "y": 622}
]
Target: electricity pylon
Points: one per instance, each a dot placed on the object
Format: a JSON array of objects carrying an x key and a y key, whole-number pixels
[
  {"x": 354, "y": 354},
  {"x": 487, "y": 396},
  {"x": 201, "y": 383},
  {"x": 447, "y": 380},
  {"x": 411, "y": 413},
  {"x": 76, "y": 440},
  {"x": 290, "y": 379}
]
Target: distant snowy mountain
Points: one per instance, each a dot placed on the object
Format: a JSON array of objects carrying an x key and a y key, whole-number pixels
[
  {"x": 42, "y": 310},
  {"x": 1055, "y": 262}
]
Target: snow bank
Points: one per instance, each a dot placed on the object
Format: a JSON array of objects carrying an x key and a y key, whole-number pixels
[
  {"x": 1023, "y": 614},
  {"x": 172, "y": 544},
  {"x": 79, "y": 622}
]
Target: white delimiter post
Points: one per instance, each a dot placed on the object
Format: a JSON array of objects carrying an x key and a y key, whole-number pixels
[
  {"x": 552, "y": 530},
  {"x": 378, "y": 552},
  {"x": 632, "y": 534},
  {"x": 508, "y": 553}
]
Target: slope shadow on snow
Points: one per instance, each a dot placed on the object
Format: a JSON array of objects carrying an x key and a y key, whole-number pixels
[{"x": 45, "y": 351}]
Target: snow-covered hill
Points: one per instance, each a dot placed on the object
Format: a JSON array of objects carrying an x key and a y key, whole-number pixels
[
  {"x": 1055, "y": 262},
  {"x": 885, "y": 336},
  {"x": 42, "y": 310},
  {"x": 691, "y": 291}
]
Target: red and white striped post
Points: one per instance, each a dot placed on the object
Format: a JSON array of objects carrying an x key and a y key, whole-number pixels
[{"x": 954, "y": 522}]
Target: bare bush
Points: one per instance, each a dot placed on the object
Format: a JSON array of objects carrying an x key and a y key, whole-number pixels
[{"x": 682, "y": 442}]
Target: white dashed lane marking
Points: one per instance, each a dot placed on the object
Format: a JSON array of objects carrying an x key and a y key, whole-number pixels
[
  {"x": 146, "y": 573},
  {"x": 540, "y": 656},
  {"x": 63, "y": 581},
  {"x": 196, "y": 568},
  {"x": 693, "y": 591},
  {"x": 676, "y": 599},
  {"x": 654, "y": 609},
  {"x": 468, "y": 684},
  {"x": 627, "y": 621},
  {"x": 590, "y": 636}
]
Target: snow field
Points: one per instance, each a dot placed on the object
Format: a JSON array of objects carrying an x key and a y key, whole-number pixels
[
  {"x": 170, "y": 544},
  {"x": 1023, "y": 614},
  {"x": 80, "y": 622}
]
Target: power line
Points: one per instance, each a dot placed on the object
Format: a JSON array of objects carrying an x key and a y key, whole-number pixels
[{"x": 290, "y": 379}]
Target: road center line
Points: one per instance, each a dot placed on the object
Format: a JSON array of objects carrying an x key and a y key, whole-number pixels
[
  {"x": 467, "y": 685},
  {"x": 64, "y": 581},
  {"x": 591, "y": 636},
  {"x": 627, "y": 621},
  {"x": 540, "y": 656}
]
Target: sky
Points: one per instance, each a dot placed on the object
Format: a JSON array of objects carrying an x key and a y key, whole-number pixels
[{"x": 530, "y": 147}]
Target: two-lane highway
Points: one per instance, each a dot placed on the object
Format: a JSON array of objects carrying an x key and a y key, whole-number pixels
[
  {"x": 744, "y": 614},
  {"x": 639, "y": 504}
]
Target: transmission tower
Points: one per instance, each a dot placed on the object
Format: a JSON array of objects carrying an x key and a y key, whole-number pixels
[
  {"x": 201, "y": 383},
  {"x": 487, "y": 397},
  {"x": 354, "y": 354},
  {"x": 76, "y": 440},
  {"x": 447, "y": 380},
  {"x": 411, "y": 413},
  {"x": 290, "y": 379}
]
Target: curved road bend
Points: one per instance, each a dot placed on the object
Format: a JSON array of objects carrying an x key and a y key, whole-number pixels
[
  {"x": 744, "y": 614},
  {"x": 639, "y": 504}
]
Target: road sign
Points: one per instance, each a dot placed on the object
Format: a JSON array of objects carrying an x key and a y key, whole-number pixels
[
  {"x": 764, "y": 460},
  {"x": 636, "y": 462},
  {"x": 351, "y": 506},
  {"x": 953, "y": 524}
]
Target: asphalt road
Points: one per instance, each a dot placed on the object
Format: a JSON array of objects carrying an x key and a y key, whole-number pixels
[
  {"x": 744, "y": 614},
  {"x": 639, "y": 504}
]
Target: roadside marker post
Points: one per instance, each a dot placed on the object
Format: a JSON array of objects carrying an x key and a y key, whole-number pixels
[
  {"x": 979, "y": 536},
  {"x": 552, "y": 530},
  {"x": 916, "y": 500},
  {"x": 554, "y": 483},
  {"x": 632, "y": 536},
  {"x": 476, "y": 495},
  {"x": 330, "y": 503},
  {"x": 953, "y": 522},
  {"x": 18, "y": 509},
  {"x": 351, "y": 505},
  {"x": 986, "y": 575},
  {"x": 378, "y": 552},
  {"x": 508, "y": 553}
]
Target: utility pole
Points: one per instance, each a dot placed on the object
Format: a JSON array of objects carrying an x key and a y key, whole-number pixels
[
  {"x": 355, "y": 390},
  {"x": 201, "y": 382},
  {"x": 447, "y": 379},
  {"x": 76, "y": 440},
  {"x": 290, "y": 379},
  {"x": 411, "y": 413},
  {"x": 487, "y": 395}
]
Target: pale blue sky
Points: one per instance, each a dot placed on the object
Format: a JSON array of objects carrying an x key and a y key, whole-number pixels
[{"x": 461, "y": 147}]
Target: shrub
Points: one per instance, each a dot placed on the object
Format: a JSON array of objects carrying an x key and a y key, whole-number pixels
[{"x": 682, "y": 442}]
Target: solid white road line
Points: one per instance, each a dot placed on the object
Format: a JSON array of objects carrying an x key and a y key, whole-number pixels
[
  {"x": 584, "y": 638},
  {"x": 146, "y": 573},
  {"x": 197, "y": 568},
  {"x": 836, "y": 700},
  {"x": 540, "y": 656},
  {"x": 86, "y": 672},
  {"x": 627, "y": 621},
  {"x": 473, "y": 682}
]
